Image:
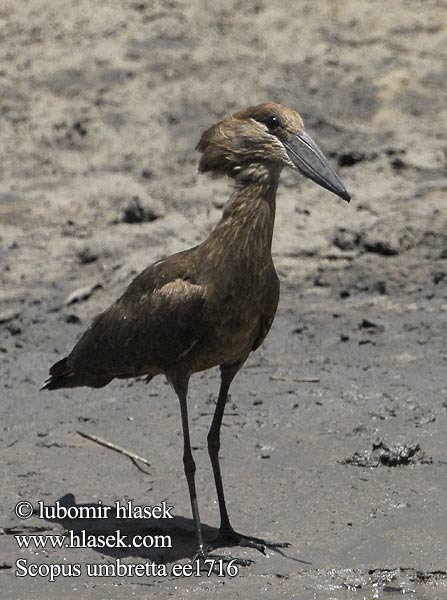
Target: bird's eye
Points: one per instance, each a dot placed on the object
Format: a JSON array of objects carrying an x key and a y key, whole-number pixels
[{"x": 273, "y": 122}]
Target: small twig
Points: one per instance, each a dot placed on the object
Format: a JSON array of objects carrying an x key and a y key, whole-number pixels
[
  {"x": 134, "y": 457},
  {"x": 296, "y": 379}
]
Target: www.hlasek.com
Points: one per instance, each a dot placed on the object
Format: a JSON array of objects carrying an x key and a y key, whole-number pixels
[{"x": 81, "y": 538}]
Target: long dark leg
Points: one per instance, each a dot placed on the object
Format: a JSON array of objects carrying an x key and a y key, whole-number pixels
[
  {"x": 227, "y": 375},
  {"x": 227, "y": 535},
  {"x": 181, "y": 388}
]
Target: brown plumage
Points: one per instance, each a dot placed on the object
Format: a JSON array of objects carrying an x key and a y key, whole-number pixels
[{"x": 212, "y": 304}]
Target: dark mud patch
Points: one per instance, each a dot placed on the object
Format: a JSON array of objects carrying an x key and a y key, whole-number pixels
[{"x": 384, "y": 455}]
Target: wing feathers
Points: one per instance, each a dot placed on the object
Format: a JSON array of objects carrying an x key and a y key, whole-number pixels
[{"x": 147, "y": 329}]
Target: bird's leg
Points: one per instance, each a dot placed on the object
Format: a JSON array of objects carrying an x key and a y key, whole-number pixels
[
  {"x": 227, "y": 536},
  {"x": 181, "y": 388},
  {"x": 180, "y": 385},
  {"x": 227, "y": 376}
]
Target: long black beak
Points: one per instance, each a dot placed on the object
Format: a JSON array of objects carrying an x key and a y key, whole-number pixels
[{"x": 311, "y": 162}]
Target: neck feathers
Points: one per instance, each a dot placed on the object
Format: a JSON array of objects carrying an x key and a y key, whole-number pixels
[{"x": 249, "y": 214}]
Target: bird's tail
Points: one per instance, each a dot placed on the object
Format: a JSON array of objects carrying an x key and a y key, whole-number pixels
[
  {"x": 68, "y": 373},
  {"x": 61, "y": 376}
]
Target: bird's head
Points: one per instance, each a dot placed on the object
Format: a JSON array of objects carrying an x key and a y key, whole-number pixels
[{"x": 262, "y": 139}]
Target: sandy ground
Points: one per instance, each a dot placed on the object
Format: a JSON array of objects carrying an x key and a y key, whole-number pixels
[{"x": 102, "y": 104}]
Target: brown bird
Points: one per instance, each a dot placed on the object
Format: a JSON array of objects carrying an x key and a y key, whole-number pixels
[{"x": 212, "y": 304}]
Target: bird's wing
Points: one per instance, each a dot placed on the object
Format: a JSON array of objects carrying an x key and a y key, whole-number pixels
[
  {"x": 157, "y": 321},
  {"x": 268, "y": 314}
]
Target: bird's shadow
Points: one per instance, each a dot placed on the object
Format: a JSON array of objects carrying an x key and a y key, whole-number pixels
[{"x": 180, "y": 531}]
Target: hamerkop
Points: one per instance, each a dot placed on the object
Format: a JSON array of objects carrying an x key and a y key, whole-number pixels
[{"x": 212, "y": 304}]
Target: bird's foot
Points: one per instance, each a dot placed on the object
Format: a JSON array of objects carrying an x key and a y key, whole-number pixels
[
  {"x": 213, "y": 562},
  {"x": 229, "y": 537}
]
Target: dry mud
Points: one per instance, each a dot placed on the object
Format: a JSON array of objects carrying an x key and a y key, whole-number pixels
[{"x": 102, "y": 104}]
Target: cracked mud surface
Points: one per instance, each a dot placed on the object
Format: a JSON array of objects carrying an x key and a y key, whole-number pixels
[{"x": 101, "y": 107}]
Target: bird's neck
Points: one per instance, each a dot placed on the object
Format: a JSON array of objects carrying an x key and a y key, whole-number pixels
[
  {"x": 254, "y": 186},
  {"x": 249, "y": 215}
]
